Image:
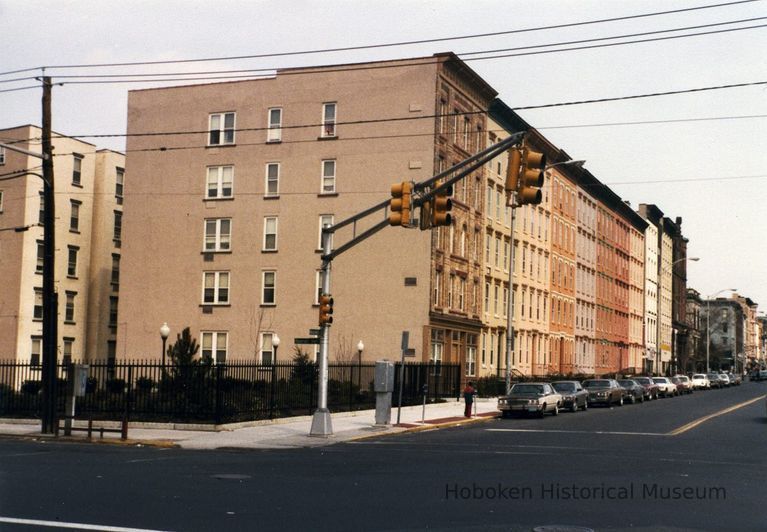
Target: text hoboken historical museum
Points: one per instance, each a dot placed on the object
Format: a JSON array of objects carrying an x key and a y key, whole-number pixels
[{"x": 563, "y": 492}]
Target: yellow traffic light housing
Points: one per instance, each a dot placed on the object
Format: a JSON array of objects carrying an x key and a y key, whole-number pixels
[
  {"x": 530, "y": 179},
  {"x": 400, "y": 204},
  {"x": 441, "y": 205},
  {"x": 512, "y": 170},
  {"x": 326, "y": 309}
]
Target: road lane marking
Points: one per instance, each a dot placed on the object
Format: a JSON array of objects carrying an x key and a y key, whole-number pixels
[
  {"x": 693, "y": 424},
  {"x": 79, "y": 526},
  {"x": 619, "y": 433}
]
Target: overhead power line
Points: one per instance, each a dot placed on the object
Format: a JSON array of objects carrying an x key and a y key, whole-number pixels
[{"x": 384, "y": 45}]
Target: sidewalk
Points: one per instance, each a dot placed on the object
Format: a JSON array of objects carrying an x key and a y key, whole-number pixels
[{"x": 288, "y": 433}]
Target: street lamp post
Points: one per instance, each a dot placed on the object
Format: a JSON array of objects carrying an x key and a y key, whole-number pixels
[
  {"x": 360, "y": 347},
  {"x": 708, "y": 324},
  {"x": 164, "y": 332},
  {"x": 273, "y": 393}
]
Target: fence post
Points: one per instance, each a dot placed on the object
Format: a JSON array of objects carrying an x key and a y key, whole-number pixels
[
  {"x": 126, "y": 415},
  {"x": 218, "y": 392}
]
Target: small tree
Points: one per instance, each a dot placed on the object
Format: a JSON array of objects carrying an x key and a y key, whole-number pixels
[
  {"x": 303, "y": 367},
  {"x": 182, "y": 356}
]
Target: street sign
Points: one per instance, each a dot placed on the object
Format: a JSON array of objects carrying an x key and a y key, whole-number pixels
[
  {"x": 305, "y": 341},
  {"x": 314, "y": 332}
]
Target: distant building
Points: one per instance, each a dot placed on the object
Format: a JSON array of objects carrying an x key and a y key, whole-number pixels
[
  {"x": 695, "y": 358},
  {"x": 724, "y": 331},
  {"x": 88, "y": 205}
]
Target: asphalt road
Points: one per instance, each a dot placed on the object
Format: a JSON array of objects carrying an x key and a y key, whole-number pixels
[{"x": 662, "y": 465}]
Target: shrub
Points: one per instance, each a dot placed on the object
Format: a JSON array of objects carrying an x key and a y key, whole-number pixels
[
  {"x": 144, "y": 384},
  {"x": 116, "y": 385},
  {"x": 91, "y": 384},
  {"x": 31, "y": 387}
]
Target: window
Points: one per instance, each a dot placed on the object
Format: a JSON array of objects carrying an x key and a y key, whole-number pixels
[
  {"x": 437, "y": 346},
  {"x": 214, "y": 346},
  {"x": 69, "y": 309},
  {"x": 77, "y": 168},
  {"x": 1, "y": 201},
  {"x": 67, "y": 350},
  {"x": 272, "y": 186},
  {"x": 219, "y": 182},
  {"x": 461, "y": 294},
  {"x": 269, "y": 281},
  {"x": 328, "y": 177},
  {"x": 270, "y": 233},
  {"x": 113, "y": 311},
  {"x": 317, "y": 286},
  {"x": 37, "y": 312},
  {"x": 40, "y": 264},
  {"x": 328, "y": 120},
  {"x": 437, "y": 288},
  {"x": 275, "y": 125},
  {"x": 36, "y": 351},
  {"x": 450, "y": 286},
  {"x": 118, "y": 229},
  {"x": 218, "y": 234},
  {"x": 115, "y": 269},
  {"x": 267, "y": 348},
  {"x": 74, "y": 216},
  {"x": 215, "y": 288},
  {"x": 325, "y": 219},
  {"x": 487, "y": 297},
  {"x": 221, "y": 129},
  {"x": 41, "y": 212},
  {"x": 119, "y": 180},
  {"x": 471, "y": 356},
  {"x": 72, "y": 261},
  {"x": 2, "y": 155}
]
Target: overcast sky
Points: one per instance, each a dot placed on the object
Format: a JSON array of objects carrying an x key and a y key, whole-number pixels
[{"x": 712, "y": 173}]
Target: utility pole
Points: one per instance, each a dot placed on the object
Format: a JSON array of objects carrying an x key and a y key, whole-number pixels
[{"x": 50, "y": 302}]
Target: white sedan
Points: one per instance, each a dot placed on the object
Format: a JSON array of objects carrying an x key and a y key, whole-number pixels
[{"x": 700, "y": 382}]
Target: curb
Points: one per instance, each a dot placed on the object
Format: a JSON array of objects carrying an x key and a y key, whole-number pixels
[
  {"x": 426, "y": 427},
  {"x": 163, "y": 444}
]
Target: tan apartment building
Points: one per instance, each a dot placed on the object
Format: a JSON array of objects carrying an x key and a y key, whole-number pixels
[
  {"x": 585, "y": 283},
  {"x": 223, "y": 219},
  {"x": 665, "y": 294},
  {"x": 88, "y": 188},
  {"x": 636, "y": 345},
  {"x": 653, "y": 216}
]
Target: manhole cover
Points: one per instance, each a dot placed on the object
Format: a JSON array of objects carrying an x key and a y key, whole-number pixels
[
  {"x": 562, "y": 528},
  {"x": 231, "y": 476}
]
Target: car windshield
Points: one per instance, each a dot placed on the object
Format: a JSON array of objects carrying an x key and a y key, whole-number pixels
[
  {"x": 527, "y": 388},
  {"x": 659, "y": 380},
  {"x": 596, "y": 384},
  {"x": 699, "y": 376},
  {"x": 564, "y": 386},
  {"x": 682, "y": 379},
  {"x": 713, "y": 376}
]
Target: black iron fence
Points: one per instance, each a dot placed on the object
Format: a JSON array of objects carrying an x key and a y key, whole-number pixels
[{"x": 226, "y": 393}]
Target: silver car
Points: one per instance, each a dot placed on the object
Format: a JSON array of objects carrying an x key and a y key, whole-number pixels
[
  {"x": 531, "y": 398},
  {"x": 667, "y": 388}
]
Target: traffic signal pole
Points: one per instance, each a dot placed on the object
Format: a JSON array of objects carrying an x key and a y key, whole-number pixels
[{"x": 422, "y": 193}]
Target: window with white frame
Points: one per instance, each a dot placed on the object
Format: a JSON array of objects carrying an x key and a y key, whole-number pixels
[
  {"x": 219, "y": 182},
  {"x": 437, "y": 347},
  {"x": 325, "y": 219},
  {"x": 221, "y": 129},
  {"x": 461, "y": 293},
  {"x": 272, "y": 184},
  {"x": 74, "y": 215},
  {"x": 214, "y": 345},
  {"x": 275, "y": 125},
  {"x": 67, "y": 350},
  {"x": 471, "y": 355},
  {"x": 328, "y": 119},
  {"x": 317, "y": 286},
  {"x": 77, "y": 169},
  {"x": 41, "y": 210},
  {"x": 72, "y": 261},
  {"x": 119, "y": 183},
  {"x": 267, "y": 348},
  {"x": 37, "y": 312},
  {"x": 269, "y": 284},
  {"x": 215, "y": 288},
  {"x": 69, "y": 308},
  {"x": 437, "y": 288},
  {"x": 36, "y": 350},
  {"x": 328, "y": 176},
  {"x": 270, "y": 233},
  {"x": 218, "y": 234},
  {"x": 40, "y": 256}
]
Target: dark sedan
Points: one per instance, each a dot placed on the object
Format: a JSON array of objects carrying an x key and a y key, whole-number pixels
[
  {"x": 650, "y": 388},
  {"x": 573, "y": 395},
  {"x": 604, "y": 391},
  {"x": 634, "y": 391}
]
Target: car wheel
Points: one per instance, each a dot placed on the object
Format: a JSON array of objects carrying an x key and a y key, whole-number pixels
[
  {"x": 555, "y": 412},
  {"x": 542, "y": 413},
  {"x": 641, "y": 399},
  {"x": 620, "y": 401},
  {"x": 504, "y": 414},
  {"x": 574, "y": 407},
  {"x": 585, "y": 405}
]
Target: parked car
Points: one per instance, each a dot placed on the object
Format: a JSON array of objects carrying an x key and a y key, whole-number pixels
[
  {"x": 634, "y": 391},
  {"x": 700, "y": 381},
  {"x": 531, "y": 398},
  {"x": 573, "y": 395},
  {"x": 735, "y": 379},
  {"x": 604, "y": 391},
  {"x": 683, "y": 384},
  {"x": 651, "y": 389},
  {"x": 665, "y": 386},
  {"x": 725, "y": 379},
  {"x": 715, "y": 381}
]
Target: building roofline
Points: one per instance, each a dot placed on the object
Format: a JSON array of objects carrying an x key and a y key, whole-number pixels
[{"x": 53, "y": 132}]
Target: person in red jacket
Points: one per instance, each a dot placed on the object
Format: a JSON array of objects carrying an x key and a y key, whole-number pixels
[{"x": 468, "y": 396}]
